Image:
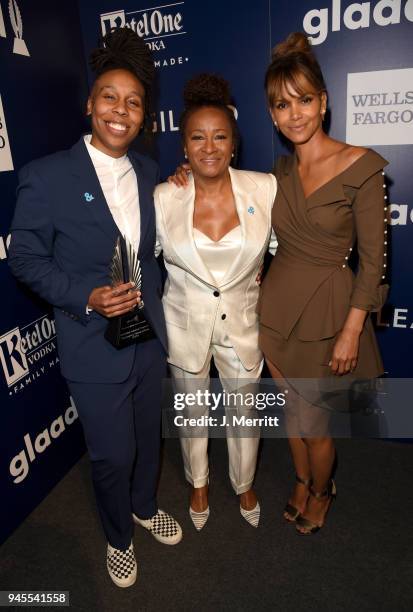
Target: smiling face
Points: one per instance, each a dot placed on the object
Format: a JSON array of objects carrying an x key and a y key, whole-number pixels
[
  {"x": 209, "y": 142},
  {"x": 299, "y": 114},
  {"x": 116, "y": 106}
]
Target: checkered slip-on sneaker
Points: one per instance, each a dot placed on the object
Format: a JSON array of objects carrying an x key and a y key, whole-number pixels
[
  {"x": 162, "y": 526},
  {"x": 121, "y": 565}
]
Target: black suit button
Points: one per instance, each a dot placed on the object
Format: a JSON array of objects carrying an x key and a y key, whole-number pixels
[
  {"x": 216, "y": 293},
  {"x": 224, "y": 316}
]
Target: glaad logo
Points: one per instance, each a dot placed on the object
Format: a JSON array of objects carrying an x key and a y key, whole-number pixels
[
  {"x": 357, "y": 15},
  {"x": 150, "y": 24},
  {"x": 400, "y": 214},
  {"x": 6, "y": 161},
  {"x": 16, "y": 21},
  {"x": 27, "y": 353},
  {"x": 19, "y": 465},
  {"x": 380, "y": 107}
]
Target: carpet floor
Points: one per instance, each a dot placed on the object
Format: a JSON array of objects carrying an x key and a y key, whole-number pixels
[{"x": 361, "y": 560}]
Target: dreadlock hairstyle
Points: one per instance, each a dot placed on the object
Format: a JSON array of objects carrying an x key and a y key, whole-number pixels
[
  {"x": 124, "y": 49},
  {"x": 208, "y": 90},
  {"x": 291, "y": 60}
]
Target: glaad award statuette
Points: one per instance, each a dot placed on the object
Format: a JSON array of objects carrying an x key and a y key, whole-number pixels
[{"x": 132, "y": 327}]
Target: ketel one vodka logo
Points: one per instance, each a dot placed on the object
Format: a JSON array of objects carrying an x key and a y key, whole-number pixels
[
  {"x": 16, "y": 22},
  {"x": 150, "y": 24},
  {"x": 28, "y": 352}
]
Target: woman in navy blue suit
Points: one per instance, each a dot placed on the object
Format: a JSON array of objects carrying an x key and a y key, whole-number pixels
[{"x": 71, "y": 208}]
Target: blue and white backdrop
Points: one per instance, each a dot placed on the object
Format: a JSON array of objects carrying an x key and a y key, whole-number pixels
[{"x": 366, "y": 52}]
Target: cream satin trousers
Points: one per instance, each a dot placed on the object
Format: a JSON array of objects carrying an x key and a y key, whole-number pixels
[{"x": 242, "y": 451}]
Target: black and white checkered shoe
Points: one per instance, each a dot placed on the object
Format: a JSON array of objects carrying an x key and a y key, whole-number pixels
[
  {"x": 121, "y": 565},
  {"x": 162, "y": 526}
]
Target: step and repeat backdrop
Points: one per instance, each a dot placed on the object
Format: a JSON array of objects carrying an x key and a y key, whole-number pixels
[
  {"x": 366, "y": 52},
  {"x": 226, "y": 37},
  {"x": 43, "y": 89}
]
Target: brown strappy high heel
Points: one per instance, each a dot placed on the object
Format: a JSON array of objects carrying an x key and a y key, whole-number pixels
[
  {"x": 291, "y": 510},
  {"x": 309, "y": 527}
]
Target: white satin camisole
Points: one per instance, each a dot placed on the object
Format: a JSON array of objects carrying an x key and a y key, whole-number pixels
[{"x": 218, "y": 256}]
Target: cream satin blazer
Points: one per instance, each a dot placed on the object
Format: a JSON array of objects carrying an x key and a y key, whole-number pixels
[{"x": 192, "y": 299}]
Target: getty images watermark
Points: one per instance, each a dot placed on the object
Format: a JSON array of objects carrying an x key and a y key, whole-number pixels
[
  {"x": 239, "y": 408},
  {"x": 337, "y": 406}
]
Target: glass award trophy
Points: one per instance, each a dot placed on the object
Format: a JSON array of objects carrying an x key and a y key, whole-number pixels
[{"x": 131, "y": 327}]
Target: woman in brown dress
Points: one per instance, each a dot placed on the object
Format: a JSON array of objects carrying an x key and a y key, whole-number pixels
[{"x": 314, "y": 313}]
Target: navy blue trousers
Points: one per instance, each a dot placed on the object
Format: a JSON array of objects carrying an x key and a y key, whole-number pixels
[{"x": 121, "y": 423}]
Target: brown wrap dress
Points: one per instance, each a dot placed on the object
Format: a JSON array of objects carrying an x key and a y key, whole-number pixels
[{"x": 309, "y": 288}]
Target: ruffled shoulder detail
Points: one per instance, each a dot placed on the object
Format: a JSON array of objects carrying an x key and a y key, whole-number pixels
[{"x": 363, "y": 168}]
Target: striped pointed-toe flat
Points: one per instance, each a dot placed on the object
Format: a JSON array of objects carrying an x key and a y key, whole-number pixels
[
  {"x": 199, "y": 518},
  {"x": 251, "y": 516}
]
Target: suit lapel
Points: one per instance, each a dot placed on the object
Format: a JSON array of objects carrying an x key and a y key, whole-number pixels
[
  {"x": 253, "y": 217},
  {"x": 178, "y": 216},
  {"x": 84, "y": 170},
  {"x": 145, "y": 198},
  {"x": 90, "y": 191},
  {"x": 252, "y": 214}
]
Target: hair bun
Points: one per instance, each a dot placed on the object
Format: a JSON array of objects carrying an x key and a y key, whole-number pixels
[
  {"x": 296, "y": 42},
  {"x": 206, "y": 89}
]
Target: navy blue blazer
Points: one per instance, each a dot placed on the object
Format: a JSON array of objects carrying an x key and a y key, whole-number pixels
[{"x": 61, "y": 247}]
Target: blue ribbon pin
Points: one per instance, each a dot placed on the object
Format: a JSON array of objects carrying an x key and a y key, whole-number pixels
[
  {"x": 88, "y": 197},
  {"x": 251, "y": 210}
]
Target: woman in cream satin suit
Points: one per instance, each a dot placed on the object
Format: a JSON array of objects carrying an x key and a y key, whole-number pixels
[{"x": 214, "y": 234}]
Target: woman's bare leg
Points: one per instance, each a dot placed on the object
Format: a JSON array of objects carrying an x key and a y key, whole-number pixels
[
  {"x": 248, "y": 500},
  {"x": 321, "y": 453},
  {"x": 298, "y": 448},
  {"x": 199, "y": 498},
  {"x": 313, "y": 455}
]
